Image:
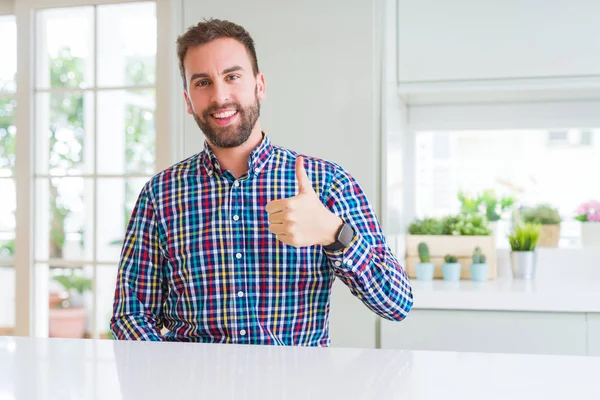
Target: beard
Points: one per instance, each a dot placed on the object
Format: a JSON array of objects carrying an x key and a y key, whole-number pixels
[{"x": 232, "y": 135}]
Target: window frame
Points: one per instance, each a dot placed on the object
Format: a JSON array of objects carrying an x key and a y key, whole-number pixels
[
  {"x": 465, "y": 115},
  {"x": 168, "y": 120}
]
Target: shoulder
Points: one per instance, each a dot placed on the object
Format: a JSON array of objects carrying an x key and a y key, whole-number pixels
[
  {"x": 172, "y": 176},
  {"x": 312, "y": 164}
]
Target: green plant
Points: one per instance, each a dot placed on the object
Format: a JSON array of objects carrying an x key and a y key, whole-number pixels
[
  {"x": 450, "y": 259},
  {"x": 543, "y": 214},
  {"x": 524, "y": 237},
  {"x": 424, "y": 252},
  {"x": 478, "y": 256},
  {"x": 487, "y": 203},
  {"x": 426, "y": 226},
  {"x": 466, "y": 224},
  {"x": 494, "y": 206},
  {"x": 7, "y": 248},
  {"x": 469, "y": 204},
  {"x": 78, "y": 283}
]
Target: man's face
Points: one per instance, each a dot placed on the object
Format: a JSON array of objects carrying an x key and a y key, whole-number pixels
[{"x": 222, "y": 93}]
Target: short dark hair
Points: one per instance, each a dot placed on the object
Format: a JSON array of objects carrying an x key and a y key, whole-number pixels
[{"x": 208, "y": 30}]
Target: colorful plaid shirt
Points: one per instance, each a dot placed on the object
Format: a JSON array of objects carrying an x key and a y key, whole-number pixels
[{"x": 199, "y": 260}]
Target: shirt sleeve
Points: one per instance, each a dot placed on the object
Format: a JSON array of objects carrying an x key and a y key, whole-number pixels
[
  {"x": 140, "y": 288},
  {"x": 367, "y": 266}
]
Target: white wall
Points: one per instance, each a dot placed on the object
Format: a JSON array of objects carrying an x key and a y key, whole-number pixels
[
  {"x": 487, "y": 39},
  {"x": 6, "y": 7},
  {"x": 321, "y": 64}
]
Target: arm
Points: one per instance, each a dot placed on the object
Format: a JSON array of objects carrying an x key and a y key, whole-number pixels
[
  {"x": 139, "y": 295},
  {"x": 367, "y": 266}
]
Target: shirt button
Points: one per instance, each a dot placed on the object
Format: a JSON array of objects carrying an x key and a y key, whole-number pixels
[
  {"x": 349, "y": 262},
  {"x": 210, "y": 172},
  {"x": 257, "y": 170},
  {"x": 243, "y": 332},
  {"x": 337, "y": 263},
  {"x": 240, "y": 294},
  {"x": 236, "y": 217},
  {"x": 236, "y": 183},
  {"x": 238, "y": 255}
]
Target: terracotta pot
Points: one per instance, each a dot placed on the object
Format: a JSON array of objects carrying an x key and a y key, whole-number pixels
[
  {"x": 67, "y": 322},
  {"x": 55, "y": 299}
]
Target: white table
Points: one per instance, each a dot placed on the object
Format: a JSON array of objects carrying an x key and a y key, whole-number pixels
[{"x": 43, "y": 369}]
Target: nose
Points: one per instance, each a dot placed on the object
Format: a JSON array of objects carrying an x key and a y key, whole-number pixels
[{"x": 220, "y": 93}]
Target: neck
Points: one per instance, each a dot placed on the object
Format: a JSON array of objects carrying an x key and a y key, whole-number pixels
[{"x": 235, "y": 159}]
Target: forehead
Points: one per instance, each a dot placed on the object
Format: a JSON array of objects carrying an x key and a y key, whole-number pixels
[{"x": 216, "y": 55}]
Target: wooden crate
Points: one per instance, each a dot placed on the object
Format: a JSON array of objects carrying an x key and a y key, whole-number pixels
[
  {"x": 549, "y": 236},
  {"x": 460, "y": 246}
]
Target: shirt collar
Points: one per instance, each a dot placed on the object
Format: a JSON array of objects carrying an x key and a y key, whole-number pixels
[{"x": 256, "y": 160}]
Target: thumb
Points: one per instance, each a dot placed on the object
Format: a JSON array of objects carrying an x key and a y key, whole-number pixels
[{"x": 304, "y": 184}]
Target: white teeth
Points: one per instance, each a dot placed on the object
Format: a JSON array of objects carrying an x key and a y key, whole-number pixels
[{"x": 225, "y": 114}]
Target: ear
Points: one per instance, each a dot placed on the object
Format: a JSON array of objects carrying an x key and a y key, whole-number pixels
[
  {"x": 187, "y": 102},
  {"x": 260, "y": 86}
]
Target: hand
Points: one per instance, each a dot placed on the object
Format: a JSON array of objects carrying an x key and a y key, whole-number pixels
[{"x": 302, "y": 220}]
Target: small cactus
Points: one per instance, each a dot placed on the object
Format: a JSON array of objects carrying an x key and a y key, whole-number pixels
[
  {"x": 478, "y": 256},
  {"x": 450, "y": 259},
  {"x": 423, "y": 252}
]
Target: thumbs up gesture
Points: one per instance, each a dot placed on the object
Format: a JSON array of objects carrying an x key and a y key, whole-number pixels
[{"x": 302, "y": 220}]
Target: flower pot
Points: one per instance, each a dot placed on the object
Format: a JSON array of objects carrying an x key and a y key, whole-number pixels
[
  {"x": 451, "y": 271},
  {"x": 549, "y": 236},
  {"x": 590, "y": 234},
  {"x": 425, "y": 271},
  {"x": 523, "y": 264},
  {"x": 480, "y": 272},
  {"x": 67, "y": 322}
]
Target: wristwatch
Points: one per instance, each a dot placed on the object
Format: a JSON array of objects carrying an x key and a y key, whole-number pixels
[{"x": 344, "y": 236}]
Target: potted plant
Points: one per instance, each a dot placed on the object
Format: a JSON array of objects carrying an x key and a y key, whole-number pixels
[
  {"x": 487, "y": 203},
  {"x": 455, "y": 234},
  {"x": 67, "y": 314},
  {"x": 523, "y": 241},
  {"x": 589, "y": 215},
  {"x": 425, "y": 267},
  {"x": 426, "y": 226},
  {"x": 549, "y": 219},
  {"x": 451, "y": 268},
  {"x": 479, "y": 269}
]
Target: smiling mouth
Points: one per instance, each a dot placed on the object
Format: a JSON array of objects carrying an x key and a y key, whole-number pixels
[
  {"x": 224, "y": 118},
  {"x": 224, "y": 114}
]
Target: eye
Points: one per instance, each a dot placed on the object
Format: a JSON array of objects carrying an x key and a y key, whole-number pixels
[
  {"x": 202, "y": 82},
  {"x": 233, "y": 77}
]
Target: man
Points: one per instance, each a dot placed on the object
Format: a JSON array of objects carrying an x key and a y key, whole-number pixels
[{"x": 242, "y": 242}]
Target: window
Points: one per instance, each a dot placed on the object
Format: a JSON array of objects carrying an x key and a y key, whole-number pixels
[
  {"x": 518, "y": 163},
  {"x": 8, "y": 70},
  {"x": 95, "y": 146}
]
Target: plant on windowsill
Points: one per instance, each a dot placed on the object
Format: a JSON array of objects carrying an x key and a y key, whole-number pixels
[
  {"x": 455, "y": 234},
  {"x": 67, "y": 312},
  {"x": 487, "y": 203},
  {"x": 523, "y": 241},
  {"x": 589, "y": 216},
  {"x": 425, "y": 267},
  {"x": 479, "y": 268},
  {"x": 549, "y": 219},
  {"x": 451, "y": 268}
]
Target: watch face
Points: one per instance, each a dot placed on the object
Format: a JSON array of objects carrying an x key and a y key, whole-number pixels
[{"x": 346, "y": 235}]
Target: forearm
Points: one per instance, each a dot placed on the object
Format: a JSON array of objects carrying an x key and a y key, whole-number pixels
[
  {"x": 374, "y": 275},
  {"x": 135, "y": 327}
]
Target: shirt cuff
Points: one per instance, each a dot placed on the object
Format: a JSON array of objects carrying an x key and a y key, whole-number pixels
[{"x": 356, "y": 257}]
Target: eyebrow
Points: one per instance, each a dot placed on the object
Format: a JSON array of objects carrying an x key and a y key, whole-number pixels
[{"x": 199, "y": 75}]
